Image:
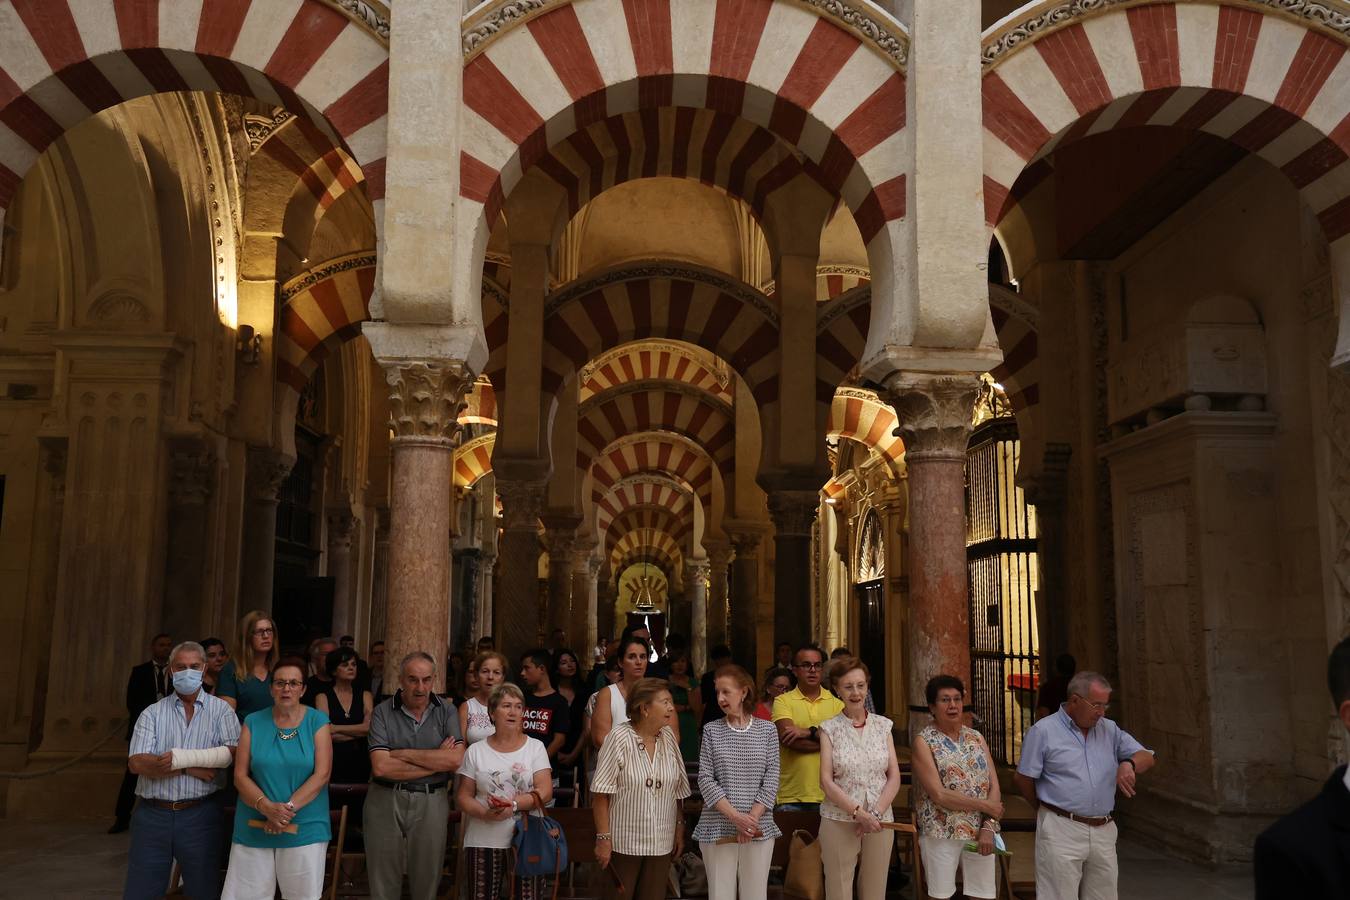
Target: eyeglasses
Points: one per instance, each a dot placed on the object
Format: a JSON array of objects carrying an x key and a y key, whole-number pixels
[
  {"x": 810, "y": 665},
  {"x": 293, "y": 685},
  {"x": 1096, "y": 707},
  {"x": 265, "y": 632}
]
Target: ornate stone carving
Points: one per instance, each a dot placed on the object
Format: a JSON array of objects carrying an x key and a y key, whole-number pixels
[
  {"x": 841, "y": 305},
  {"x": 192, "y": 475},
  {"x": 1046, "y": 19},
  {"x": 793, "y": 512},
  {"x": 737, "y": 290},
  {"x": 864, "y": 20},
  {"x": 697, "y": 572},
  {"x": 118, "y": 309},
  {"x": 746, "y": 544},
  {"x": 374, "y": 16},
  {"x": 266, "y": 472},
  {"x": 341, "y": 527},
  {"x": 522, "y": 501},
  {"x": 259, "y": 128},
  {"x": 935, "y": 414},
  {"x": 425, "y": 399},
  {"x": 500, "y": 295}
]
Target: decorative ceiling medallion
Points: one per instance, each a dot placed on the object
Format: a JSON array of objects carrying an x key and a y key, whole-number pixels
[
  {"x": 874, "y": 26},
  {"x": 1051, "y": 17}
]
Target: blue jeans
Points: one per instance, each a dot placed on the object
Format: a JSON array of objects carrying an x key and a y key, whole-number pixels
[
  {"x": 797, "y": 807},
  {"x": 192, "y": 836}
]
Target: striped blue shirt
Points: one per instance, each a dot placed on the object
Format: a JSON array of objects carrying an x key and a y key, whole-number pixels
[{"x": 164, "y": 726}]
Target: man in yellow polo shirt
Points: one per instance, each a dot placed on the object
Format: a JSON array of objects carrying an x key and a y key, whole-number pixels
[{"x": 798, "y": 713}]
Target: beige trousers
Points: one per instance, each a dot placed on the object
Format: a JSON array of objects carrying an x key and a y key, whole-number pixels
[
  {"x": 840, "y": 849},
  {"x": 1074, "y": 861}
]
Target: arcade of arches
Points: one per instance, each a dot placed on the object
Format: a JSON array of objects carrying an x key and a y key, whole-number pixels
[{"x": 961, "y": 336}]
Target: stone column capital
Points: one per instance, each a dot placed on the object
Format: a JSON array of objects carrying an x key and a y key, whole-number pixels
[
  {"x": 560, "y": 536},
  {"x": 192, "y": 474},
  {"x": 793, "y": 511},
  {"x": 425, "y": 398},
  {"x": 746, "y": 542},
  {"x": 935, "y": 411},
  {"x": 522, "y": 502},
  {"x": 341, "y": 526},
  {"x": 266, "y": 471},
  {"x": 697, "y": 571}
]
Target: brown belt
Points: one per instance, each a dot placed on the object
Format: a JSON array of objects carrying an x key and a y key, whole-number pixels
[
  {"x": 1094, "y": 821},
  {"x": 176, "y": 805}
]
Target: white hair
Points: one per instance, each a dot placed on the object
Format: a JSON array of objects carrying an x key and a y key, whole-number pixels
[
  {"x": 1081, "y": 683},
  {"x": 187, "y": 647}
]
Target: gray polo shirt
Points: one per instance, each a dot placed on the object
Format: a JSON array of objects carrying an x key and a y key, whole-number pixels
[{"x": 392, "y": 727}]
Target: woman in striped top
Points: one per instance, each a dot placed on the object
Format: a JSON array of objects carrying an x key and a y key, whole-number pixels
[
  {"x": 738, "y": 778},
  {"x": 636, "y": 795}
]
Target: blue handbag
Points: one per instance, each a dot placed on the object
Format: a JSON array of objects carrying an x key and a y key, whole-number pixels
[{"x": 540, "y": 845}]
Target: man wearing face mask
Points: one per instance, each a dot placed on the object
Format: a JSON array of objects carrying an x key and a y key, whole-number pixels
[{"x": 179, "y": 745}]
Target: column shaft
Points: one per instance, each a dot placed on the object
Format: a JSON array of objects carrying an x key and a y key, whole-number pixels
[
  {"x": 516, "y": 604},
  {"x": 341, "y": 526},
  {"x": 745, "y": 598},
  {"x": 267, "y": 471},
  {"x": 719, "y": 593},
  {"x": 793, "y": 513},
  {"x": 696, "y": 576}
]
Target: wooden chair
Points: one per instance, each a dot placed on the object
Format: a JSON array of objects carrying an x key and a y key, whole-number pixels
[
  {"x": 345, "y": 802},
  {"x": 1019, "y": 870}
]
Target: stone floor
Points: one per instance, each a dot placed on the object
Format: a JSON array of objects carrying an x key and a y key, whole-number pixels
[{"x": 77, "y": 860}]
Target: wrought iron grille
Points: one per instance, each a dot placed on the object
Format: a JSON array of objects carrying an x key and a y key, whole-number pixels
[{"x": 1001, "y": 564}]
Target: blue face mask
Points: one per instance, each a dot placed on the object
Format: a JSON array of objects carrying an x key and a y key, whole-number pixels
[{"x": 187, "y": 681}]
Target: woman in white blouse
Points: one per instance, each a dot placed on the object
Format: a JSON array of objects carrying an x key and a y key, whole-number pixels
[
  {"x": 636, "y": 795},
  {"x": 612, "y": 702},
  {"x": 475, "y": 723},
  {"x": 502, "y": 775},
  {"x": 860, "y": 777}
]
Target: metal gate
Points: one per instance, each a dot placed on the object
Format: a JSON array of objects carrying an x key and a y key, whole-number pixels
[{"x": 1001, "y": 562}]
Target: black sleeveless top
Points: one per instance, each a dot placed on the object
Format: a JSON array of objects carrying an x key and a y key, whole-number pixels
[{"x": 351, "y": 759}]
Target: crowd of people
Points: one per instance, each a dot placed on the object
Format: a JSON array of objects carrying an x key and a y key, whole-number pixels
[{"x": 270, "y": 732}]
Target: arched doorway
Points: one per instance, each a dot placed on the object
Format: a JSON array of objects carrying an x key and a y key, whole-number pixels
[{"x": 870, "y": 613}]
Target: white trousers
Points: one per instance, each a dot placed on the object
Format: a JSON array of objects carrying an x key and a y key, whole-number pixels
[
  {"x": 1074, "y": 861},
  {"x": 840, "y": 849},
  {"x": 730, "y": 865},
  {"x": 256, "y": 872}
]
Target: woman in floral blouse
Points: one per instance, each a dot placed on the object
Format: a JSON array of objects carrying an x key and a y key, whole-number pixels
[
  {"x": 860, "y": 777},
  {"x": 503, "y": 775},
  {"x": 958, "y": 798}
]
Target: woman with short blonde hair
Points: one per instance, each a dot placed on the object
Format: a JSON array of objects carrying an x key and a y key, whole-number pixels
[
  {"x": 475, "y": 719},
  {"x": 637, "y": 794}
]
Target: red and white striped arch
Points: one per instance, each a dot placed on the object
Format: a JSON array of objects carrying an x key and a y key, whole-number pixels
[
  {"x": 657, "y": 558},
  {"x": 655, "y": 452},
  {"x": 473, "y": 460},
  {"x": 1019, "y": 373},
  {"x": 1265, "y": 82},
  {"x": 648, "y": 362},
  {"x": 646, "y": 541},
  {"x": 717, "y": 149},
  {"x": 605, "y": 419},
  {"x": 321, "y": 308},
  {"x": 859, "y": 415},
  {"x": 644, "y": 490},
  {"x": 778, "y": 65},
  {"x": 323, "y": 170},
  {"x": 649, "y": 518},
  {"x": 64, "y": 60},
  {"x": 657, "y": 300},
  {"x": 841, "y": 334},
  {"x": 480, "y": 407}
]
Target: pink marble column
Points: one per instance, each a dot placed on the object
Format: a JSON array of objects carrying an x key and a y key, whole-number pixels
[
  {"x": 935, "y": 421},
  {"x": 516, "y": 601},
  {"x": 424, "y": 403}
]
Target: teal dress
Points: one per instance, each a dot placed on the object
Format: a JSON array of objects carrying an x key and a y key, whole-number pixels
[
  {"x": 250, "y": 695},
  {"x": 279, "y": 768}
]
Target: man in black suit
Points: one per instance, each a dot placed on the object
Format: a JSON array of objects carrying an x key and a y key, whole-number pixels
[
  {"x": 1307, "y": 853},
  {"x": 149, "y": 682}
]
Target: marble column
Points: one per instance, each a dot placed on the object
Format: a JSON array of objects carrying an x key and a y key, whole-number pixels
[
  {"x": 719, "y": 595},
  {"x": 516, "y": 604},
  {"x": 793, "y": 513},
  {"x": 935, "y": 415},
  {"x": 560, "y": 537},
  {"x": 745, "y": 597},
  {"x": 464, "y": 599},
  {"x": 266, "y": 472},
  {"x": 425, "y": 397},
  {"x": 379, "y": 577},
  {"x": 581, "y": 627},
  {"x": 341, "y": 527},
  {"x": 482, "y": 616},
  {"x": 605, "y": 597},
  {"x": 188, "y": 603},
  {"x": 696, "y": 577}
]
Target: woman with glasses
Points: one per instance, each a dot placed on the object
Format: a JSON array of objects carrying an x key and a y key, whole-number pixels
[
  {"x": 281, "y": 769},
  {"x": 777, "y": 681},
  {"x": 244, "y": 681},
  {"x": 957, "y": 800}
]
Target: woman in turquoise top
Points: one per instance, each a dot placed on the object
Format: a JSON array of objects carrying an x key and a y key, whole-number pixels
[
  {"x": 243, "y": 682},
  {"x": 281, "y": 770}
]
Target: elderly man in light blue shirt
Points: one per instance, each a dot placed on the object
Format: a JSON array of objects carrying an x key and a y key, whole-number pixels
[{"x": 1072, "y": 763}]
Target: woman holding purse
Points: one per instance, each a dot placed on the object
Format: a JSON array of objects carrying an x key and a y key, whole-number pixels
[
  {"x": 281, "y": 769},
  {"x": 502, "y": 775}
]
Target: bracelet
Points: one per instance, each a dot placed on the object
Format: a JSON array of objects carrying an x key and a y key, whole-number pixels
[
  {"x": 261, "y": 798},
  {"x": 992, "y": 825},
  {"x": 856, "y": 810},
  {"x": 603, "y": 836}
]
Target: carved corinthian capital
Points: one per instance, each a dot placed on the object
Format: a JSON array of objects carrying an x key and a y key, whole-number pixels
[
  {"x": 522, "y": 501},
  {"x": 935, "y": 413},
  {"x": 425, "y": 398},
  {"x": 793, "y": 512}
]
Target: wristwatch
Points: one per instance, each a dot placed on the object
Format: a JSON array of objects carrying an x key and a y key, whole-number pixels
[
  {"x": 515, "y": 807},
  {"x": 1131, "y": 762}
]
